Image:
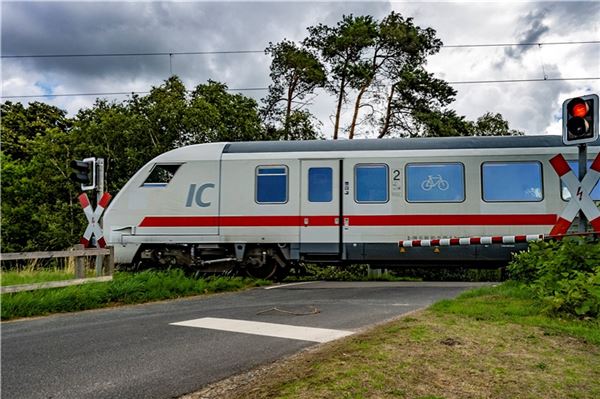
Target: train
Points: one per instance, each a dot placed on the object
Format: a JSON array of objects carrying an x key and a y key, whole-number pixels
[{"x": 265, "y": 207}]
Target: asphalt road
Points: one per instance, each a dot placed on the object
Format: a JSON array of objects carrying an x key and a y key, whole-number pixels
[{"x": 135, "y": 351}]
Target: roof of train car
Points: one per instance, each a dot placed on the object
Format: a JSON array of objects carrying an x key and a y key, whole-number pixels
[{"x": 423, "y": 143}]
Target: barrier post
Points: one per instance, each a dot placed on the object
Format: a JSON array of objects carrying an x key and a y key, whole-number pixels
[
  {"x": 79, "y": 262},
  {"x": 109, "y": 262}
]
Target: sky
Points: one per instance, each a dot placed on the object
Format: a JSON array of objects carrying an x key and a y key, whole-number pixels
[{"x": 85, "y": 27}]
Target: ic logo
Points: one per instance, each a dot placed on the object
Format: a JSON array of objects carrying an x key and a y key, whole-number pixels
[{"x": 196, "y": 195}]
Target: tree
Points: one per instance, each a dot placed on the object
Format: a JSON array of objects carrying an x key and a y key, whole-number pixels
[
  {"x": 383, "y": 63},
  {"x": 342, "y": 49},
  {"x": 295, "y": 73},
  {"x": 493, "y": 125},
  {"x": 399, "y": 46},
  {"x": 39, "y": 206},
  {"x": 214, "y": 115},
  {"x": 415, "y": 99},
  {"x": 38, "y": 211},
  {"x": 21, "y": 125}
]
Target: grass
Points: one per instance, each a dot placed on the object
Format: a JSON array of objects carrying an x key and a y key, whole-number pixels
[
  {"x": 514, "y": 303},
  {"x": 37, "y": 271},
  {"x": 487, "y": 343},
  {"x": 125, "y": 288},
  {"x": 38, "y": 276}
]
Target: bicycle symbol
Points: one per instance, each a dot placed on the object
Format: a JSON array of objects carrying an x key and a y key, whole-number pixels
[{"x": 435, "y": 181}]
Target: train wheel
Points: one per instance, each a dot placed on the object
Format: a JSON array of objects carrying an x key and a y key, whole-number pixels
[{"x": 264, "y": 263}]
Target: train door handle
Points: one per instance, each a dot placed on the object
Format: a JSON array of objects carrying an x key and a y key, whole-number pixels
[
  {"x": 346, "y": 222},
  {"x": 306, "y": 221},
  {"x": 336, "y": 221}
]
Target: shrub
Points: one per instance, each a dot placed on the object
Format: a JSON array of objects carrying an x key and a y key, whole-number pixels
[{"x": 565, "y": 275}]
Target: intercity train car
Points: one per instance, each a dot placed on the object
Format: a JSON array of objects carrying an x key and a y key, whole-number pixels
[{"x": 264, "y": 206}]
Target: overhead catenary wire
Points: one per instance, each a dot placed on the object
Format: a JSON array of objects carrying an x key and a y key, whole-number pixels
[
  {"x": 119, "y": 93},
  {"x": 149, "y": 54},
  {"x": 172, "y": 53}
]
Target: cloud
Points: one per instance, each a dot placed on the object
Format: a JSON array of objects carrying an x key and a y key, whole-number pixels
[
  {"x": 135, "y": 27},
  {"x": 534, "y": 29}
]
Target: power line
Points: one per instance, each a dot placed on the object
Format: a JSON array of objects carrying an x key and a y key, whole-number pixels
[
  {"x": 266, "y": 88},
  {"x": 114, "y": 93},
  {"x": 131, "y": 54},
  {"x": 518, "y": 80},
  {"x": 519, "y": 44},
  {"x": 172, "y": 53}
]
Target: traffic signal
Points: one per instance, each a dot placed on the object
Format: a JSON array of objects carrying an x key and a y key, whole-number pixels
[
  {"x": 580, "y": 119},
  {"x": 85, "y": 173}
]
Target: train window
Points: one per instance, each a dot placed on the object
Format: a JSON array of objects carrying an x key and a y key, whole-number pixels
[
  {"x": 371, "y": 182},
  {"x": 566, "y": 195},
  {"x": 320, "y": 184},
  {"x": 512, "y": 181},
  {"x": 271, "y": 184},
  {"x": 435, "y": 182},
  {"x": 161, "y": 175}
]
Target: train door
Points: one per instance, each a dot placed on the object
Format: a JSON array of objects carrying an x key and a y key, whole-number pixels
[{"x": 320, "y": 209}]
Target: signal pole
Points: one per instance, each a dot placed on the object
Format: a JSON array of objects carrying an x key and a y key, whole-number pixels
[
  {"x": 582, "y": 228},
  {"x": 99, "y": 193}
]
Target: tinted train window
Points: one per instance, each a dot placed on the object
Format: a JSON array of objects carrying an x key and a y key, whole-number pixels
[
  {"x": 161, "y": 175},
  {"x": 320, "y": 184},
  {"x": 371, "y": 183},
  {"x": 512, "y": 181},
  {"x": 436, "y": 182},
  {"x": 566, "y": 195},
  {"x": 271, "y": 184}
]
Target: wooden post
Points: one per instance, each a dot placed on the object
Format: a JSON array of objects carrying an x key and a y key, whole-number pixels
[
  {"x": 109, "y": 262},
  {"x": 79, "y": 263}
]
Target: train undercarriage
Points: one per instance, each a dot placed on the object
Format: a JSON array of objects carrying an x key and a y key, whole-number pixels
[{"x": 257, "y": 261}]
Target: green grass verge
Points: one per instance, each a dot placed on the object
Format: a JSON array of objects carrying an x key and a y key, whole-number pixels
[
  {"x": 515, "y": 303},
  {"x": 125, "y": 288},
  {"x": 39, "y": 276},
  {"x": 15, "y": 277},
  {"x": 492, "y": 342}
]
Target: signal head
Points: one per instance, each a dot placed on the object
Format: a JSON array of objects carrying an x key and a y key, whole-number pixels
[
  {"x": 580, "y": 120},
  {"x": 84, "y": 173}
]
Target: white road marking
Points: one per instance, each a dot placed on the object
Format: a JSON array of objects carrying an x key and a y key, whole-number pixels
[
  {"x": 271, "y": 287},
  {"x": 266, "y": 329}
]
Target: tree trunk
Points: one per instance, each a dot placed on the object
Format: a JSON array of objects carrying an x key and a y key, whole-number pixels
[
  {"x": 339, "y": 107},
  {"x": 388, "y": 115},
  {"x": 356, "y": 109},
  {"x": 288, "y": 112}
]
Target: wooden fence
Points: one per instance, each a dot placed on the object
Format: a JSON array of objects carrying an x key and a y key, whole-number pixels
[{"x": 106, "y": 256}]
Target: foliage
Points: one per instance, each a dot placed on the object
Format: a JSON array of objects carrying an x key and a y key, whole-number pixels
[
  {"x": 125, "y": 288},
  {"x": 39, "y": 202},
  {"x": 337, "y": 273},
  {"x": 376, "y": 69},
  {"x": 296, "y": 72},
  {"x": 564, "y": 274}
]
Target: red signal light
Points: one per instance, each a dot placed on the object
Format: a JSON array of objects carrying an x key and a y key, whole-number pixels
[{"x": 580, "y": 109}]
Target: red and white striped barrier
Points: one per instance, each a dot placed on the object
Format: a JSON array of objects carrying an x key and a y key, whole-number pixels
[
  {"x": 441, "y": 242},
  {"x": 93, "y": 217},
  {"x": 580, "y": 195}
]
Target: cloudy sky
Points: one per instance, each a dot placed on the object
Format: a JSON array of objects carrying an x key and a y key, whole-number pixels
[{"x": 50, "y": 27}]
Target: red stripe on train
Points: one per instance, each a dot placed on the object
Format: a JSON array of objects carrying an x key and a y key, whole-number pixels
[{"x": 357, "y": 220}]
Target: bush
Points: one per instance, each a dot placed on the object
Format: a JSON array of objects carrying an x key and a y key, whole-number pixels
[{"x": 565, "y": 275}]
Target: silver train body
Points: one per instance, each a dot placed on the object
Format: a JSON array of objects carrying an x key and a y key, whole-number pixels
[{"x": 266, "y": 205}]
